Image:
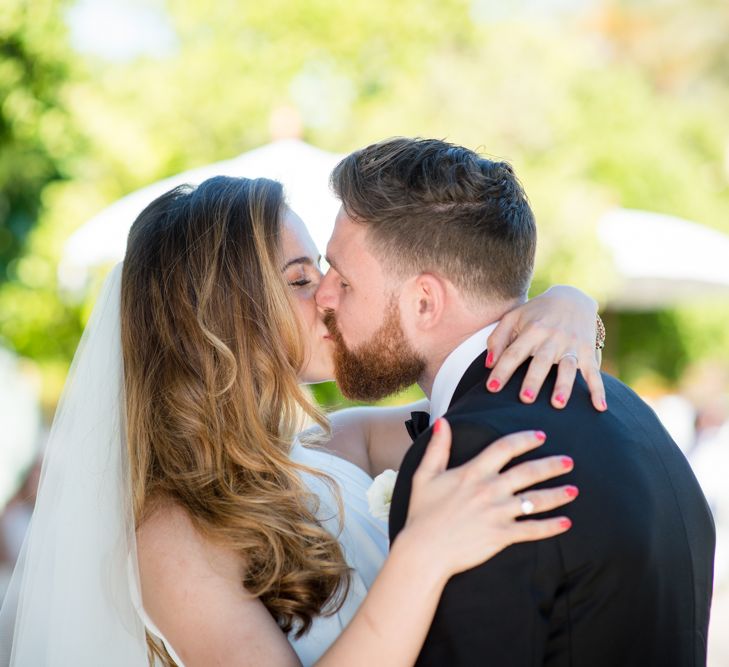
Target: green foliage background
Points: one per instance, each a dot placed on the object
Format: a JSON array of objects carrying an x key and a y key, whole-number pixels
[{"x": 610, "y": 103}]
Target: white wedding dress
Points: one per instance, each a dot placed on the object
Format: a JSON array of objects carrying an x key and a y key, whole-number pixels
[{"x": 362, "y": 536}]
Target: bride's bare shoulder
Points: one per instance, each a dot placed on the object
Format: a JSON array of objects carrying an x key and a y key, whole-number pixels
[
  {"x": 168, "y": 539},
  {"x": 192, "y": 589}
]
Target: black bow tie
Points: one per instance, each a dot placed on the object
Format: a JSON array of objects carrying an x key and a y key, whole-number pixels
[{"x": 419, "y": 421}]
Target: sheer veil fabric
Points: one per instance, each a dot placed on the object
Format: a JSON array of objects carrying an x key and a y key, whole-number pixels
[{"x": 69, "y": 600}]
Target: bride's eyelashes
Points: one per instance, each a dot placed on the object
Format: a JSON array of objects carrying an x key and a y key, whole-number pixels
[
  {"x": 302, "y": 275},
  {"x": 304, "y": 280}
]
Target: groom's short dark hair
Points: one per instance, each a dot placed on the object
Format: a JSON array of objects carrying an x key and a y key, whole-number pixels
[{"x": 434, "y": 206}]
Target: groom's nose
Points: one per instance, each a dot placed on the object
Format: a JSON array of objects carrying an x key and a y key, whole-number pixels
[{"x": 326, "y": 293}]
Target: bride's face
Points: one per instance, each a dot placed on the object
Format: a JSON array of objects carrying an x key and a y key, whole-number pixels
[{"x": 301, "y": 272}]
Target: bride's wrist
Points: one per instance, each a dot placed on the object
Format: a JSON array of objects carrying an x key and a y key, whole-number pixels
[{"x": 424, "y": 560}]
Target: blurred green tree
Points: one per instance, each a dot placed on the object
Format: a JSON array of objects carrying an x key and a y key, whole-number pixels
[
  {"x": 40, "y": 148},
  {"x": 35, "y": 137},
  {"x": 590, "y": 116}
]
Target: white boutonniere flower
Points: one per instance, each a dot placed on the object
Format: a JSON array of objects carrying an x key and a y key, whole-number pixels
[{"x": 379, "y": 495}]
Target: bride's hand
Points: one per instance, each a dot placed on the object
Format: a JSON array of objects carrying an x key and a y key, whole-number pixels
[
  {"x": 557, "y": 327},
  {"x": 467, "y": 514}
]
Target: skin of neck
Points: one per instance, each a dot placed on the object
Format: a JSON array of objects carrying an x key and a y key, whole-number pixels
[{"x": 458, "y": 320}]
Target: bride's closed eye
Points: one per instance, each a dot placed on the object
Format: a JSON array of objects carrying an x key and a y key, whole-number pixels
[
  {"x": 304, "y": 277},
  {"x": 302, "y": 273}
]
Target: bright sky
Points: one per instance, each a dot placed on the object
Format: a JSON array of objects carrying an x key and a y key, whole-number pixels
[{"x": 120, "y": 30}]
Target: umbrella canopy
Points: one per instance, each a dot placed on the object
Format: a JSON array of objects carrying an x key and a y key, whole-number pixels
[
  {"x": 303, "y": 169},
  {"x": 662, "y": 260}
]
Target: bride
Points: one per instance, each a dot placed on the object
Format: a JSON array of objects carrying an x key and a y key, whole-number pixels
[{"x": 179, "y": 520}]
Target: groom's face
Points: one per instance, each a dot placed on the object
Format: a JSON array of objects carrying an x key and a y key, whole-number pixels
[{"x": 373, "y": 356}]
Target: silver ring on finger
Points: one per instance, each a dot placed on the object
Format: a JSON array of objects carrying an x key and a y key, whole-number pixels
[
  {"x": 527, "y": 506},
  {"x": 569, "y": 354}
]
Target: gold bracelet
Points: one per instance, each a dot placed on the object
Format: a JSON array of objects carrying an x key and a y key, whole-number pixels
[{"x": 600, "y": 340}]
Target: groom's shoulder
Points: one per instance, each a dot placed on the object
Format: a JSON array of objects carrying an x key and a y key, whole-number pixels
[
  {"x": 480, "y": 408},
  {"x": 621, "y": 396}
]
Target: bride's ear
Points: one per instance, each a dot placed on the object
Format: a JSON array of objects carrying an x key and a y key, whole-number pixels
[{"x": 425, "y": 297}]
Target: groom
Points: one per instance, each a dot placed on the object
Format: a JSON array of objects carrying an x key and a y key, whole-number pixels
[{"x": 432, "y": 245}]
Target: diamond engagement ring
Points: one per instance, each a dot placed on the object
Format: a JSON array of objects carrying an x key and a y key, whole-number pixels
[
  {"x": 527, "y": 506},
  {"x": 569, "y": 354}
]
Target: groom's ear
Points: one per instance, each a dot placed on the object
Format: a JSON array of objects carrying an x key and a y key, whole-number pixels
[{"x": 425, "y": 299}]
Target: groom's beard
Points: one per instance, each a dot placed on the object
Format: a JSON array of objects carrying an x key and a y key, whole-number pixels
[{"x": 381, "y": 366}]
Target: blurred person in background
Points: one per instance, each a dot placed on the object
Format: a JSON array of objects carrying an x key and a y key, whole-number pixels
[
  {"x": 709, "y": 457},
  {"x": 16, "y": 515},
  {"x": 14, "y": 522}
]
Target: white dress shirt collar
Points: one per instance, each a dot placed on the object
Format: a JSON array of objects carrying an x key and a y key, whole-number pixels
[{"x": 453, "y": 369}]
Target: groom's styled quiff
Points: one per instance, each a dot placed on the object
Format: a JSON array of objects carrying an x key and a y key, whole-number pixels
[{"x": 434, "y": 206}]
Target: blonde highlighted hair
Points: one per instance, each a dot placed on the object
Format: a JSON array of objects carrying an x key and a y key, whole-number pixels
[{"x": 212, "y": 353}]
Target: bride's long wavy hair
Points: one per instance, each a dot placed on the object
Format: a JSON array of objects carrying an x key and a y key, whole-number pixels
[{"x": 212, "y": 351}]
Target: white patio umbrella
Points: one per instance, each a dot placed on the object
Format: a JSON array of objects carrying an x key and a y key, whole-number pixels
[
  {"x": 303, "y": 169},
  {"x": 662, "y": 260}
]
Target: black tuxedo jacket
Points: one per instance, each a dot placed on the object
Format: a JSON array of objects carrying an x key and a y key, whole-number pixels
[{"x": 629, "y": 585}]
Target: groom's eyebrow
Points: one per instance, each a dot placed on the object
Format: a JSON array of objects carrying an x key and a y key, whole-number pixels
[{"x": 332, "y": 263}]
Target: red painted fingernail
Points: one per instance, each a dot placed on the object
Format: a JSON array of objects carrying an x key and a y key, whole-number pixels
[
  {"x": 572, "y": 491},
  {"x": 438, "y": 425},
  {"x": 490, "y": 359},
  {"x": 494, "y": 385},
  {"x": 567, "y": 462},
  {"x": 528, "y": 393},
  {"x": 565, "y": 523},
  {"x": 540, "y": 435},
  {"x": 560, "y": 399}
]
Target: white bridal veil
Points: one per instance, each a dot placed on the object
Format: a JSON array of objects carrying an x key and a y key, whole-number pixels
[{"x": 69, "y": 601}]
